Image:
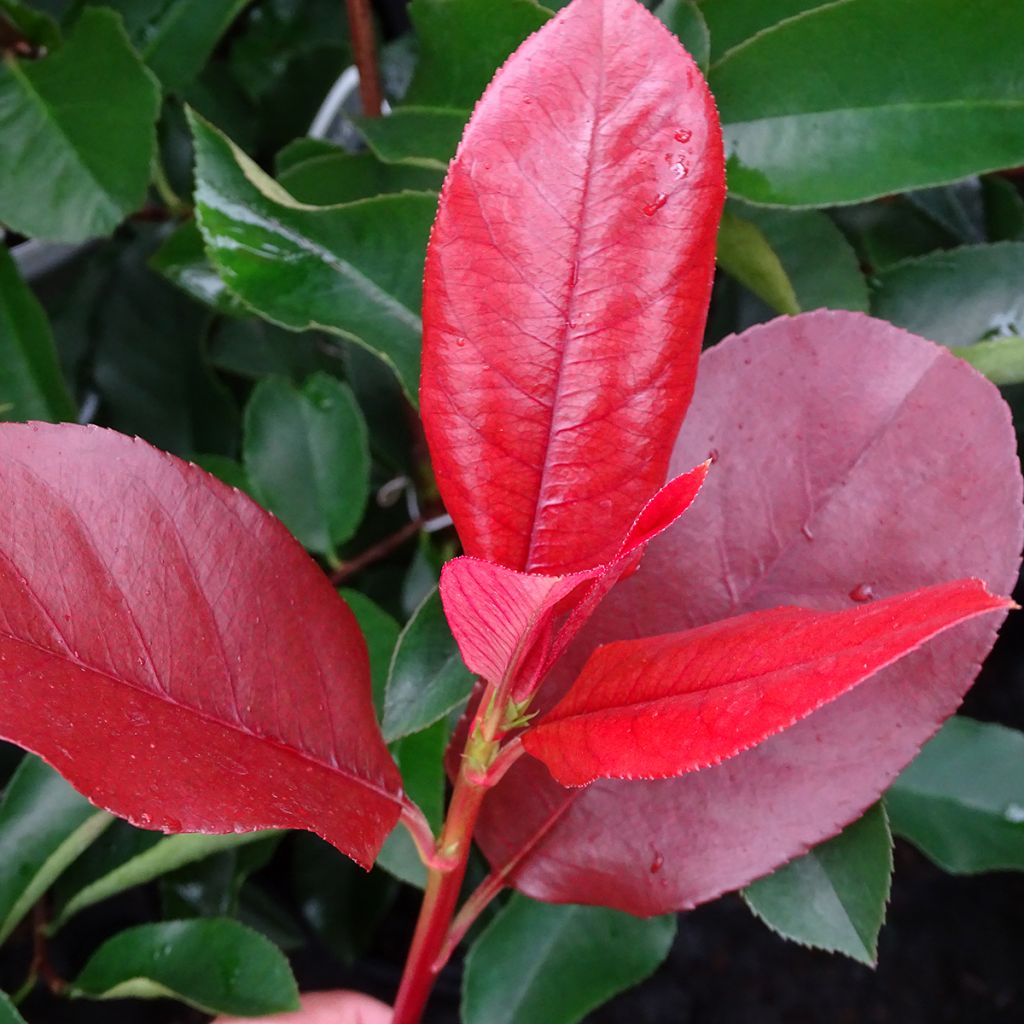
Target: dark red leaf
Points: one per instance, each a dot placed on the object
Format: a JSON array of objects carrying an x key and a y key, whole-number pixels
[
  {"x": 662, "y": 706},
  {"x": 507, "y": 623},
  {"x": 852, "y": 459},
  {"x": 566, "y": 288},
  {"x": 170, "y": 649}
]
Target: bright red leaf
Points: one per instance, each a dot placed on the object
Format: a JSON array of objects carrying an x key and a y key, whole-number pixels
[
  {"x": 662, "y": 706},
  {"x": 853, "y": 461},
  {"x": 566, "y": 288},
  {"x": 514, "y": 624},
  {"x": 170, "y": 649}
]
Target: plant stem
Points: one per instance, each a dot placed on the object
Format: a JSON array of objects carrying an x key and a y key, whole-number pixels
[
  {"x": 360, "y": 23},
  {"x": 424, "y": 963},
  {"x": 376, "y": 552}
]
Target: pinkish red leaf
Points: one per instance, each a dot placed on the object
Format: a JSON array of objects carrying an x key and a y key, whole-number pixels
[
  {"x": 662, "y": 706},
  {"x": 565, "y": 297},
  {"x": 170, "y": 649},
  {"x": 852, "y": 459},
  {"x": 514, "y": 624}
]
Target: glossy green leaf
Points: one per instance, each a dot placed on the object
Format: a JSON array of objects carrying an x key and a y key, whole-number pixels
[
  {"x": 554, "y": 964},
  {"x": 422, "y": 137},
  {"x": 819, "y": 264},
  {"x": 166, "y": 854},
  {"x": 956, "y": 296},
  {"x": 381, "y": 633},
  {"x": 345, "y": 177},
  {"x": 859, "y": 120},
  {"x": 44, "y": 826},
  {"x": 214, "y": 964},
  {"x": 303, "y": 266},
  {"x": 31, "y": 385},
  {"x": 8, "y": 1012},
  {"x": 78, "y": 131},
  {"x": 420, "y": 758},
  {"x": 731, "y": 22},
  {"x": 1000, "y": 359},
  {"x": 306, "y": 455},
  {"x": 683, "y": 17},
  {"x": 182, "y": 260},
  {"x": 176, "y": 39},
  {"x": 428, "y": 678},
  {"x": 462, "y": 43},
  {"x": 961, "y": 800},
  {"x": 833, "y": 897}
]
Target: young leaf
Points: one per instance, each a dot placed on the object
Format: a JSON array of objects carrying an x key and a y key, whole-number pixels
[
  {"x": 577, "y": 258},
  {"x": 961, "y": 800},
  {"x": 553, "y": 965},
  {"x": 874, "y": 124},
  {"x": 44, "y": 826},
  {"x": 662, "y": 706},
  {"x": 1000, "y": 359},
  {"x": 210, "y": 655},
  {"x": 810, "y": 502},
  {"x": 166, "y": 854},
  {"x": 307, "y": 458},
  {"x": 216, "y": 965},
  {"x": 307, "y": 266},
  {"x": 833, "y": 897},
  {"x": 31, "y": 386},
  {"x": 428, "y": 678},
  {"x": 956, "y": 296},
  {"x": 79, "y": 135}
]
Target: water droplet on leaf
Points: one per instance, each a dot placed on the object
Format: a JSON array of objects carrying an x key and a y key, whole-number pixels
[
  {"x": 862, "y": 593},
  {"x": 655, "y": 205},
  {"x": 806, "y": 531},
  {"x": 682, "y": 135}
]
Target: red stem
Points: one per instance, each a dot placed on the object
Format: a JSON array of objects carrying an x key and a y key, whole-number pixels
[
  {"x": 378, "y": 551},
  {"x": 360, "y": 23}
]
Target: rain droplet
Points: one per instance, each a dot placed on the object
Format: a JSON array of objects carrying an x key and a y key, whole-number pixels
[
  {"x": 862, "y": 593},
  {"x": 713, "y": 455},
  {"x": 145, "y": 820},
  {"x": 575, "y": 272},
  {"x": 657, "y": 862},
  {"x": 682, "y": 135},
  {"x": 460, "y": 342},
  {"x": 806, "y": 531},
  {"x": 679, "y": 170},
  {"x": 1014, "y": 814},
  {"x": 655, "y": 205}
]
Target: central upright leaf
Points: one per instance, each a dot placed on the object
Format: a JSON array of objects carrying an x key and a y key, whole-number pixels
[{"x": 565, "y": 296}]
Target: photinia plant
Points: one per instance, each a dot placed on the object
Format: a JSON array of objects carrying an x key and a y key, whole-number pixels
[{"x": 680, "y": 686}]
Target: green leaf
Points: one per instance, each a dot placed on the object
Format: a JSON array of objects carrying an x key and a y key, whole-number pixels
[
  {"x": 305, "y": 266},
  {"x": 226, "y": 470},
  {"x": 44, "y": 826},
  {"x": 214, "y": 964},
  {"x": 428, "y": 678},
  {"x": 794, "y": 260},
  {"x": 345, "y": 177},
  {"x": 8, "y": 1012},
  {"x": 462, "y": 43},
  {"x": 999, "y": 359},
  {"x": 961, "y": 800},
  {"x": 958, "y": 209},
  {"x": 683, "y": 17},
  {"x": 166, "y": 854},
  {"x": 420, "y": 758},
  {"x": 733, "y": 21},
  {"x": 298, "y": 151},
  {"x": 833, "y": 897},
  {"x": 31, "y": 385},
  {"x": 858, "y": 122},
  {"x": 176, "y": 39},
  {"x": 423, "y": 137},
  {"x": 79, "y": 134},
  {"x": 1004, "y": 210},
  {"x": 957, "y": 296},
  {"x": 381, "y": 633},
  {"x": 181, "y": 258},
  {"x": 306, "y": 455},
  {"x": 253, "y": 348},
  {"x": 554, "y": 964}
]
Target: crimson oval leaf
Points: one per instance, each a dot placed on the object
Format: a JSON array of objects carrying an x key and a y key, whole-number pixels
[
  {"x": 862, "y": 462},
  {"x": 169, "y": 648},
  {"x": 566, "y": 287}
]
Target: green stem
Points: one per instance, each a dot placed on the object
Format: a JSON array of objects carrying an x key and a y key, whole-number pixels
[{"x": 169, "y": 197}]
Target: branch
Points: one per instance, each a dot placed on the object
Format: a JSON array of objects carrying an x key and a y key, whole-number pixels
[
  {"x": 360, "y": 24},
  {"x": 376, "y": 552}
]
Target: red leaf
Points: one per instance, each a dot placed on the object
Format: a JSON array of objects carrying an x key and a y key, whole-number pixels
[
  {"x": 507, "y": 623},
  {"x": 566, "y": 287},
  {"x": 660, "y": 707},
  {"x": 171, "y": 650},
  {"x": 852, "y": 457}
]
